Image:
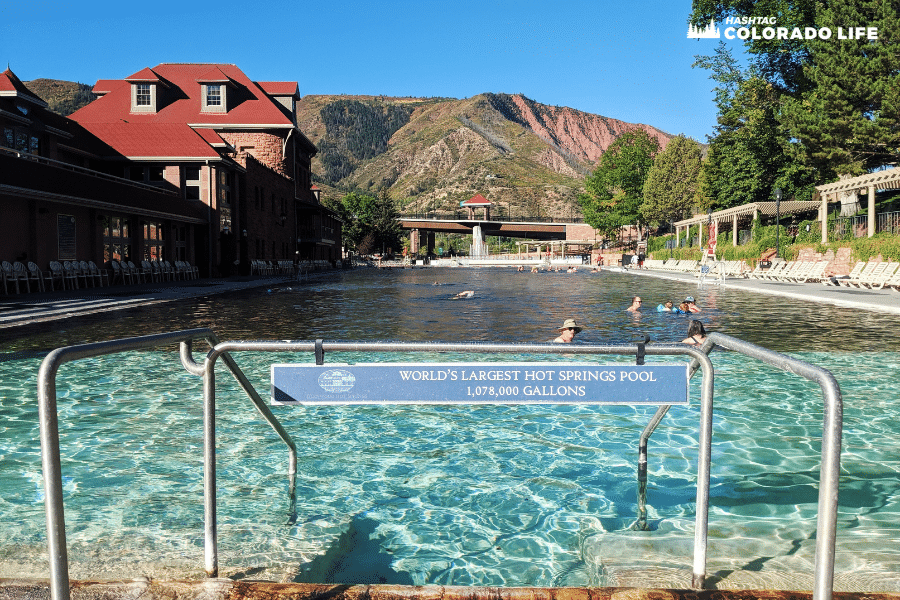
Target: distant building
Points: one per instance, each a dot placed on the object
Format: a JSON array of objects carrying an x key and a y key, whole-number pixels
[{"x": 188, "y": 162}]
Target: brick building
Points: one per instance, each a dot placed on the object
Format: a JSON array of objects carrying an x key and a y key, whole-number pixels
[{"x": 188, "y": 162}]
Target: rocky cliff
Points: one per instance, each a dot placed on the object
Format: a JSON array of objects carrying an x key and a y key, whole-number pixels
[{"x": 429, "y": 154}]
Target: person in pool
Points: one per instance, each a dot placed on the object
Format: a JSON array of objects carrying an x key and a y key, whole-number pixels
[
  {"x": 691, "y": 306},
  {"x": 567, "y": 332},
  {"x": 636, "y": 303},
  {"x": 463, "y": 294},
  {"x": 696, "y": 333},
  {"x": 667, "y": 307}
]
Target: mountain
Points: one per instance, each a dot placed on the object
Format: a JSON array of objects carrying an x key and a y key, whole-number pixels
[
  {"x": 62, "y": 97},
  {"x": 431, "y": 153}
]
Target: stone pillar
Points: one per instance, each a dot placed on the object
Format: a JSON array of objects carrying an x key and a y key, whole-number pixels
[
  {"x": 871, "y": 215},
  {"x": 414, "y": 241},
  {"x": 677, "y": 235},
  {"x": 734, "y": 231},
  {"x": 823, "y": 217},
  {"x": 429, "y": 245}
]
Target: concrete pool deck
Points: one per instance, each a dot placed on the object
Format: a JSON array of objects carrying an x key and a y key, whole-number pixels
[{"x": 226, "y": 589}]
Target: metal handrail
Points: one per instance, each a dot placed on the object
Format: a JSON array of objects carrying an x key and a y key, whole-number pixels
[
  {"x": 831, "y": 438},
  {"x": 319, "y": 348},
  {"x": 49, "y": 426},
  {"x": 829, "y": 470}
]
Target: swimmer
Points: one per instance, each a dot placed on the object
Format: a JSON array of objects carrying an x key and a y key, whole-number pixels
[
  {"x": 667, "y": 307},
  {"x": 465, "y": 294},
  {"x": 636, "y": 303},
  {"x": 567, "y": 332},
  {"x": 691, "y": 306},
  {"x": 696, "y": 334}
]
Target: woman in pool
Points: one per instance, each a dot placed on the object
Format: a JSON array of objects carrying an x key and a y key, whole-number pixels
[{"x": 696, "y": 334}]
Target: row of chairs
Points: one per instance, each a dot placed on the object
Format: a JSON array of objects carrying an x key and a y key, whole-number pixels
[
  {"x": 125, "y": 271},
  {"x": 271, "y": 267},
  {"x": 29, "y": 277},
  {"x": 74, "y": 274},
  {"x": 871, "y": 274},
  {"x": 793, "y": 271}
]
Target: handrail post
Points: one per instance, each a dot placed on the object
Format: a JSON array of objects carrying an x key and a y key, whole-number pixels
[
  {"x": 210, "y": 547},
  {"x": 51, "y": 465}
]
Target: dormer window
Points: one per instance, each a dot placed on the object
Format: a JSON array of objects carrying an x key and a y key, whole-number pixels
[
  {"x": 143, "y": 97},
  {"x": 214, "y": 95},
  {"x": 214, "y": 98}
]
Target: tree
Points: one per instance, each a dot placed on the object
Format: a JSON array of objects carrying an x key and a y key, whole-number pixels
[
  {"x": 750, "y": 152},
  {"x": 671, "y": 186},
  {"x": 614, "y": 192},
  {"x": 847, "y": 121},
  {"x": 386, "y": 223}
]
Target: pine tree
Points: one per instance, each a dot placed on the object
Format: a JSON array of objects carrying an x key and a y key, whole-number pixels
[{"x": 848, "y": 121}]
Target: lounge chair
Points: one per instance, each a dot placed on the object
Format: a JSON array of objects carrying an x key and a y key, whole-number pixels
[
  {"x": 815, "y": 273},
  {"x": 879, "y": 276},
  {"x": 850, "y": 280}
]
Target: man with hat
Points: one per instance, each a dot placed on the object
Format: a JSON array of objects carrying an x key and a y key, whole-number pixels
[{"x": 567, "y": 332}]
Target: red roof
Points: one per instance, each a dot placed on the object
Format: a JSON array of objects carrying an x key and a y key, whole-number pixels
[
  {"x": 180, "y": 105},
  {"x": 211, "y": 137},
  {"x": 154, "y": 140},
  {"x": 10, "y": 85},
  {"x": 214, "y": 75},
  {"x": 254, "y": 107},
  {"x": 280, "y": 88},
  {"x": 143, "y": 75},
  {"x": 476, "y": 200}
]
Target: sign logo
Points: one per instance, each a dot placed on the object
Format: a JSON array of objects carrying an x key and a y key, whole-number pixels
[{"x": 336, "y": 381}]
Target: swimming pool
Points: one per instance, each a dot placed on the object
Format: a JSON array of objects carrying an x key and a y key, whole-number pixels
[{"x": 463, "y": 495}]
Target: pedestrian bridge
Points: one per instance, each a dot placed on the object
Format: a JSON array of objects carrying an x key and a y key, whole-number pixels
[{"x": 526, "y": 229}]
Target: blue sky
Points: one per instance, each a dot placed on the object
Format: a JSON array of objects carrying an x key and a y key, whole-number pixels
[{"x": 625, "y": 60}]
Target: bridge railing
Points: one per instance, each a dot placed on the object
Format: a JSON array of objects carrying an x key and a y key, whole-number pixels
[{"x": 462, "y": 215}]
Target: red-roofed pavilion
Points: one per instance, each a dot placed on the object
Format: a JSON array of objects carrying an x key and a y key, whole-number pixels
[{"x": 477, "y": 201}]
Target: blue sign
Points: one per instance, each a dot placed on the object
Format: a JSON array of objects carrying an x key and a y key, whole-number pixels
[{"x": 479, "y": 383}]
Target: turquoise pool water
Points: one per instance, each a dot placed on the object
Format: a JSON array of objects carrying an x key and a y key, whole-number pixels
[{"x": 463, "y": 495}]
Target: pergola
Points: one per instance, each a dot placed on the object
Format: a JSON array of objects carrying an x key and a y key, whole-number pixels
[
  {"x": 752, "y": 210},
  {"x": 888, "y": 179}
]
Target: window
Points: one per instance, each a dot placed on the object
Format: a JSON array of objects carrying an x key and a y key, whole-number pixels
[
  {"x": 116, "y": 239},
  {"x": 214, "y": 94},
  {"x": 157, "y": 173},
  {"x": 154, "y": 242},
  {"x": 192, "y": 183},
  {"x": 142, "y": 94},
  {"x": 180, "y": 242},
  {"x": 20, "y": 140}
]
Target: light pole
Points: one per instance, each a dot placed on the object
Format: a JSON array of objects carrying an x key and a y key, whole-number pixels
[{"x": 777, "y": 222}]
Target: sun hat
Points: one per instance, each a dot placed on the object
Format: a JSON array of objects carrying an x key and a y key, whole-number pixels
[
  {"x": 570, "y": 323},
  {"x": 689, "y": 299}
]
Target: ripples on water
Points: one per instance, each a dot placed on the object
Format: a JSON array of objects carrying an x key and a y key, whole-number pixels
[{"x": 481, "y": 495}]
